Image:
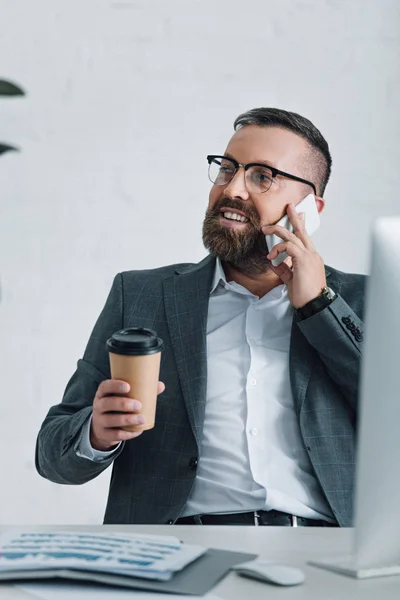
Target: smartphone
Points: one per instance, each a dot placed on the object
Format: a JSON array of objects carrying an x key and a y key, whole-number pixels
[{"x": 311, "y": 216}]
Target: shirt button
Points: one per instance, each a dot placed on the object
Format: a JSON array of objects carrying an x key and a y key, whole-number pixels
[
  {"x": 253, "y": 381},
  {"x": 254, "y": 431}
]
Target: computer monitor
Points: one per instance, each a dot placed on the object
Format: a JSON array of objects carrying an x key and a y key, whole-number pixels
[{"x": 376, "y": 544}]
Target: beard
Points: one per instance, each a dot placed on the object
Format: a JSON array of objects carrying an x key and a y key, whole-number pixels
[{"x": 246, "y": 250}]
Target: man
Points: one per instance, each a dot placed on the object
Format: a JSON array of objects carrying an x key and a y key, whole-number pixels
[{"x": 259, "y": 377}]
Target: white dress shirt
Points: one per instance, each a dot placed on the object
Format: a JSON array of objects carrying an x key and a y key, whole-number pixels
[{"x": 252, "y": 456}]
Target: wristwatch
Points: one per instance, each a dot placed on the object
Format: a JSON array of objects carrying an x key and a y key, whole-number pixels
[{"x": 326, "y": 297}]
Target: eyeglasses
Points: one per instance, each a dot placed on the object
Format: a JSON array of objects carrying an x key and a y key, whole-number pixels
[{"x": 258, "y": 177}]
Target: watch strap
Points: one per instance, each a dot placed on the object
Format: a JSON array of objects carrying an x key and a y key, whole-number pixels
[{"x": 313, "y": 307}]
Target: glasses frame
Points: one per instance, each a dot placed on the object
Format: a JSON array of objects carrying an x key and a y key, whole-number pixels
[{"x": 274, "y": 171}]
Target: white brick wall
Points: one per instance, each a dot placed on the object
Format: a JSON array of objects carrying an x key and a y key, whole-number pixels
[{"x": 125, "y": 99}]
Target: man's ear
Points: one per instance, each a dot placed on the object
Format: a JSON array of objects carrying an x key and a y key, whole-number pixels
[{"x": 320, "y": 202}]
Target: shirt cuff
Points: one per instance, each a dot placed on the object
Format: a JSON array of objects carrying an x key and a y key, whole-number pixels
[{"x": 84, "y": 449}]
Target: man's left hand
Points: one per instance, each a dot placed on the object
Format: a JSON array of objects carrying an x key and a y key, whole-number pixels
[{"x": 305, "y": 278}]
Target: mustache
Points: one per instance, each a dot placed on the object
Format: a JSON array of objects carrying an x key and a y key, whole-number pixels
[{"x": 247, "y": 210}]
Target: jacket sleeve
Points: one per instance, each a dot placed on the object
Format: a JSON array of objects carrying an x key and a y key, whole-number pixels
[
  {"x": 336, "y": 333},
  {"x": 56, "y": 458}
]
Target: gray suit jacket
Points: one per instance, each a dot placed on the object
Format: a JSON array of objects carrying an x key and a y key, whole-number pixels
[{"x": 153, "y": 475}]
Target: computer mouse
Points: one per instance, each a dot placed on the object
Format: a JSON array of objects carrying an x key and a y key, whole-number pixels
[{"x": 269, "y": 572}]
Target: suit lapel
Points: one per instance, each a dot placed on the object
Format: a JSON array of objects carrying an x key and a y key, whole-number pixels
[{"x": 186, "y": 298}]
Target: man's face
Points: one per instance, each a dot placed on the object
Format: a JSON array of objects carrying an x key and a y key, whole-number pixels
[{"x": 242, "y": 244}]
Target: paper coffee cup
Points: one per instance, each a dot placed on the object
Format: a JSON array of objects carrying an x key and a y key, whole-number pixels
[{"x": 135, "y": 356}]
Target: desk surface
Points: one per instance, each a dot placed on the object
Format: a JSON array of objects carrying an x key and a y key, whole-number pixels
[{"x": 287, "y": 545}]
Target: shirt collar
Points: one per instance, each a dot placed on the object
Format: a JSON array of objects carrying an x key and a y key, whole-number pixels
[
  {"x": 219, "y": 276},
  {"x": 219, "y": 279}
]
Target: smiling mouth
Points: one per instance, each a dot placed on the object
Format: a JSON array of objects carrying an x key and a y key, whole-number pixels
[{"x": 233, "y": 217}]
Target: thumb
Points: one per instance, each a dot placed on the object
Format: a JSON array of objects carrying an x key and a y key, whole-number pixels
[
  {"x": 160, "y": 388},
  {"x": 283, "y": 271}
]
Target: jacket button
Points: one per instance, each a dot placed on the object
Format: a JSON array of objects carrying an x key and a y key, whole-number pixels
[
  {"x": 346, "y": 320},
  {"x": 170, "y": 522},
  {"x": 193, "y": 462},
  {"x": 359, "y": 337}
]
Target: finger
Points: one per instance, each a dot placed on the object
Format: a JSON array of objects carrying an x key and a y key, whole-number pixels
[
  {"x": 118, "y": 404},
  {"x": 294, "y": 217},
  {"x": 291, "y": 249},
  {"x": 110, "y": 387},
  {"x": 111, "y": 437},
  {"x": 284, "y": 234},
  {"x": 112, "y": 421},
  {"x": 160, "y": 388},
  {"x": 120, "y": 435},
  {"x": 283, "y": 271},
  {"x": 299, "y": 227}
]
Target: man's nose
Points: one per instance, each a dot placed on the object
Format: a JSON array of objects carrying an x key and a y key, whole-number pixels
[{"x": 236, "y": 188}]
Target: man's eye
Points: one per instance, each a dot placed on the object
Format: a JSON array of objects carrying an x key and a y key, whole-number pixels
[{"x": 262, "y": 176}]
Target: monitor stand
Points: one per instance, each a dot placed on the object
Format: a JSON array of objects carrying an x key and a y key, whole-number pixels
[{"x": 347, "y": 565}]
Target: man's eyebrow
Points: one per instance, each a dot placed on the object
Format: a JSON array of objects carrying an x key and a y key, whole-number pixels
[
  {"x": 229, "y": 156},
  {"x": 267, "y": 163}
]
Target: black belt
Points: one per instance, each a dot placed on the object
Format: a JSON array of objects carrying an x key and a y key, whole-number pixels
[{"x": 258, "y": 517}]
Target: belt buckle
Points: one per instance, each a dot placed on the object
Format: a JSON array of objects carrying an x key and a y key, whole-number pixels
[
  {"x": 198, "y": 520},
  {"x": 256, "y": 518},
  {"x": 293, "y": 520}
]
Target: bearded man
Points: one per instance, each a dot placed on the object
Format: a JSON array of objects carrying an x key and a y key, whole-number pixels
[{"x": 257, "y": 408}]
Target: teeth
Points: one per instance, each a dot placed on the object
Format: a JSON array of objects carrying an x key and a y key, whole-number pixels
[{"x": 235, "y": 217}]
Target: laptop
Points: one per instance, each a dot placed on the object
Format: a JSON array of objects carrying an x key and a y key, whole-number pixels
[{"x": 376, "y": 541}]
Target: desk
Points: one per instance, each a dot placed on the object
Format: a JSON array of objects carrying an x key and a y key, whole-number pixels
[{"x": 293, "y": 546}]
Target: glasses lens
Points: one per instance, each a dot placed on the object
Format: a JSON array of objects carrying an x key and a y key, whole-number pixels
[
  {"x": 221, "y": 170},
  {"x": 259, "y": 179}
]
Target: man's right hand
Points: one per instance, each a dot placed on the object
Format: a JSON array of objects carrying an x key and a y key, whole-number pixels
[{"x": 112, "y": 411}]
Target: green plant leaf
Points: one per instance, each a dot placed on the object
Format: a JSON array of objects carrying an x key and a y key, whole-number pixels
[
  {"x": 10, "y": 89},
  {"x": 7, "y": 148}
]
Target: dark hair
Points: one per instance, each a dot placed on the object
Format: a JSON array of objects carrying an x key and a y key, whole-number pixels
[{"x": 276, "y": 117}]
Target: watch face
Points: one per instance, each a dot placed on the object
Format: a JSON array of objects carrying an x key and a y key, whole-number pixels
[{"x": 329, "y": 293}]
